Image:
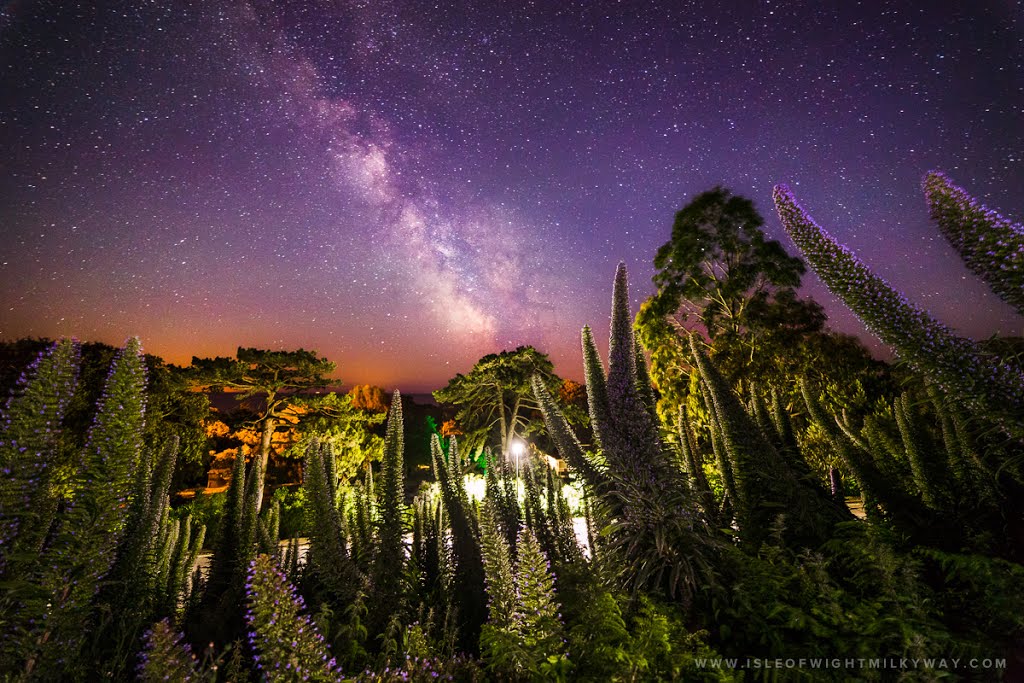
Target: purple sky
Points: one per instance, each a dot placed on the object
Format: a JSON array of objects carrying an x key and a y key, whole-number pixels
[{"x": 406, "y": 188}]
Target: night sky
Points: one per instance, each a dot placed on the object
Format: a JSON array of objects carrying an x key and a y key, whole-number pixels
[{"x": 406, "y": 187}]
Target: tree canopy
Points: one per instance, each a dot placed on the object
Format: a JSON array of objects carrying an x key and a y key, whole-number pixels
[
  {"x": 719, "y": 274},
  {"x": 275, "y": 378},
  {"x": 495, "y": 398},
  {"x": 718, "y": 268}
]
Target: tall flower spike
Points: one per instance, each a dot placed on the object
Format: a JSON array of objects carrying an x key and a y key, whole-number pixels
[
  {"x": 565, "y": 440},
  {"x": 501, "y": 594},
  {"x": 537, "y": 619},
  {"x": 81, "y": 553},
  {"x": 389, "y": 562},
  {"x": 287, "y": 642},
  {"x": 597, "y": 388},
  {"x": 166, "y": 657},
  {"x": 621, "y": 355},
  {"x": 632, "y": 440},
  {"x": 29, "y": 430},
  {"x": 988, "y": 386},
  {"x": 989, "y": 244}
]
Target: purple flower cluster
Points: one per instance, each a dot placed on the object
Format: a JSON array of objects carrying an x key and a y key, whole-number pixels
[
  {"x": 989, "y": 244},
  {"x": 287, "y": 643},
  {"x": 165, "y": 657}
]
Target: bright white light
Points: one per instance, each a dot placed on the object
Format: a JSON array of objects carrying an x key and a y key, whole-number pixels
[{"x": 517, "y": 448}]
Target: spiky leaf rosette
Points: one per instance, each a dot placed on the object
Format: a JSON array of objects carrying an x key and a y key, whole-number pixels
[
  {"x": 288, "y": 645},
  {"x": 30, "y": 430},
  {"x": 990, "y": 387},
  {"x": 596, "y": 383},
  {"x": 166, "y": 657},
  {"x": 990, "y": 245}
]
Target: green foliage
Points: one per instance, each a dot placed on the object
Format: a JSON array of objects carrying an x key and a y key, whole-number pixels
[
  {"x": 351, "y": 432},
  {"x": 718, "y": 266},
  {"x": 172, "y": 411},
  {"x": 719, "y": 273},
  {"x": 292, "y": 504}
]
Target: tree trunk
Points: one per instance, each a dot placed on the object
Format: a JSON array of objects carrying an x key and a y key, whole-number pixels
[
  {"x": 512, "y": 425},
  {"x": 504, "y": 430},
  {"x": 269, "y": 425}
]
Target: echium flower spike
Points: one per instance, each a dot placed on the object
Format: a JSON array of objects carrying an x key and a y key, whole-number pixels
[
  {"x": 632, "y": 442},
  {"x": 990, "y": 245},
  {"x": 287, "y": 643},
  {"x": 565, "y": 440},
  {"x": 166, "y": 657},
  {"x": 988, "y": 386},
  {"x": 928, "y": 465},
  {"x": 643, "y": 382},
  {"x": 468, "y": 574},
  {"x": 596, "y": 382},
  {"x": 537, "y": 621},
  {"x": 389, "y": 562},
  {"x": 29, "y": 430},
  {"x": 81, "y": 553},
  {"x": 329, "y": 559},
  {"x": 621, "y": 345},
  {"x": 501, "y": 592}
]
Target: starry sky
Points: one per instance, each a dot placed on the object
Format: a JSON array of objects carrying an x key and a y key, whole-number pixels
[{"x": 406, "y": 187}]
